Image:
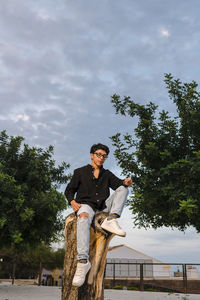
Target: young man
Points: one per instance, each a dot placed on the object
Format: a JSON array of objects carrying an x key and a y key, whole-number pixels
[{"x": 91, "y": 185}]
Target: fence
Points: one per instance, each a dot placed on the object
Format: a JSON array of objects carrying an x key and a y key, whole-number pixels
[{"x": 178, "y": 277}]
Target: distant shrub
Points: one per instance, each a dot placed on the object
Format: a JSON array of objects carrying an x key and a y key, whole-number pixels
[
  {"x": 106, "y": 286},
  {"x": 132, "y": 288},
  {"x": 118, "y": 287}
]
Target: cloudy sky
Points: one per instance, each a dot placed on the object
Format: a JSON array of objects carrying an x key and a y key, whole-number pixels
[{"x": 60, "y": 62}]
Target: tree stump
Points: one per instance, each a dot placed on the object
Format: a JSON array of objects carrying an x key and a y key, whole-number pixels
[{"x": 93, "y": 288}]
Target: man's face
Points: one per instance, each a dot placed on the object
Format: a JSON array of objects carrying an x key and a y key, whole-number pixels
[{"x": 98, "y": 157}]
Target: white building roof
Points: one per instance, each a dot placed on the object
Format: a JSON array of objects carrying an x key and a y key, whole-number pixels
[{"x": 124, "y": 252}]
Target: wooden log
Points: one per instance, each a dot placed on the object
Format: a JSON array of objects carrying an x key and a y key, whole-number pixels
[{"x": 93, "y": 288}]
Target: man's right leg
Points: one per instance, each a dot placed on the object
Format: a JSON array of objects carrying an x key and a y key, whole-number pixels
[{"x": 84, "y": 219}]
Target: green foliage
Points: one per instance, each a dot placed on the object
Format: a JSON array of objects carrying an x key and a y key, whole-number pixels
[
  {"x": 163, "y": 158},
  {"x": 30, "y": 261},
  {"x": 118, "y": 287},
  {"x": 45, "y": 255},
  {"x": 30, "y": 203}
]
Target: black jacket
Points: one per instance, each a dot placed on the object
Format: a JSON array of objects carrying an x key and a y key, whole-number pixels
[{"x": 90, "y": 190}]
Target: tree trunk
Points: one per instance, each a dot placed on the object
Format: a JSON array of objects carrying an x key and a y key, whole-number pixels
[
  {"x": 13, "y": 269},
  {"x": 93, "y": 288},
  {"x": 40, "y": 274}
]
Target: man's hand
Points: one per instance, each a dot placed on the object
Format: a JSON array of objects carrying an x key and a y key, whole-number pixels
[
  {"x": 75, "y": 205},
  {"x": 128, "y": 182}
]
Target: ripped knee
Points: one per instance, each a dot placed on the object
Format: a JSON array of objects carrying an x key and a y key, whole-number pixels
[{"x": 83, "y": 215}]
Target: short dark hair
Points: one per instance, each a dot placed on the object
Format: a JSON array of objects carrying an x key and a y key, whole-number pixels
[{"x": 98, "y": 146}]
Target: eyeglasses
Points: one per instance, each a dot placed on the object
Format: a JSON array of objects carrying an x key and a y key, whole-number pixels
[{"x": 104, "y": 156}]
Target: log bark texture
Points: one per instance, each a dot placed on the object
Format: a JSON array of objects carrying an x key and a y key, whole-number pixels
[{"x": 93, "y": 288}]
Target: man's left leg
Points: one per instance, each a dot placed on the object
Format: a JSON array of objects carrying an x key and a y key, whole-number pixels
[{"x": 114, "y": 205}]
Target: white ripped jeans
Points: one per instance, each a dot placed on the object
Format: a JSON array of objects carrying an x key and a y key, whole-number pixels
[{"x": 114, "y": 205}]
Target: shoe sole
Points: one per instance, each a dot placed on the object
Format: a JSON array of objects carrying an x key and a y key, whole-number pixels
[{"x": 122, "y": 235}]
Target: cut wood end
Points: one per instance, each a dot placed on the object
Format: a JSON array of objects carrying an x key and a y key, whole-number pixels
[{"x": 96, "y": 224}]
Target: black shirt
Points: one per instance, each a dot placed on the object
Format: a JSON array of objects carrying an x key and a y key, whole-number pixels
[{"x": 90, "y": 190}]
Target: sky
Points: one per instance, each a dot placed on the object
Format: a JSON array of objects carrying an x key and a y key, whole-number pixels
[{"x": 62, "y": 60}]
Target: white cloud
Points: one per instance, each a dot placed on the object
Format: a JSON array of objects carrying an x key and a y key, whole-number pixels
[
  {"x": 19, "y": 116},
  {"x": 44, "y": 15},
  {"x": 164, "y": 32}
]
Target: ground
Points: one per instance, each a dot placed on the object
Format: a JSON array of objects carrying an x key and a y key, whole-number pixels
[{"x": 29, "y": 292}]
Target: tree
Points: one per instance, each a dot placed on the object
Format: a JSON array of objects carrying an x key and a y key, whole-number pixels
[
  {"x": 31, "y": 205},
  {"x": 31, "y": 261},
  {"x": 11, "y": 197},
  {"x": 93, "y": 286},
  {"x": 163, "y": 157}
]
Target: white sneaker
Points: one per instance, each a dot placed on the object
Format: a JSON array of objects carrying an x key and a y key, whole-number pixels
[
  {"x": 81, "y": 271},
  {"x": 113, "y": 226}
]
